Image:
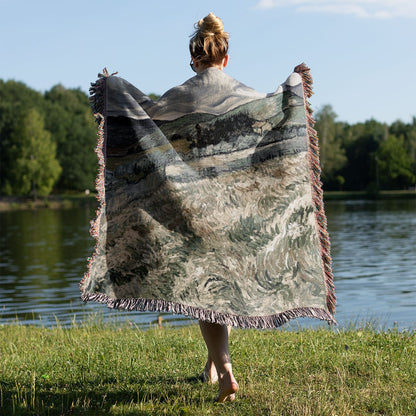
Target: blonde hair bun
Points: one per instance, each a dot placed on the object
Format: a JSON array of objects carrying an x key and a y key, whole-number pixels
[
  {"x": 211, "y": 25},
  {"x": 209, "y": 42}
]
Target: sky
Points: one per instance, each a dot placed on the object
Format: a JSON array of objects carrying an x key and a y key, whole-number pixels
[{"x": 361, "y": 53}]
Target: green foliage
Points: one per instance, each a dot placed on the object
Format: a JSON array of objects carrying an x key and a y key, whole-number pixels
[
  {"x": 365, "y": 156},
  {"x": 71, "y": 122},
  {"x": 332, "y": 155},
  {"x": 15, "y": 99},
  {"x": 394, "y": 164},
  {"x": 340, "y": 180},
  {"x": 408, "y": 134},
  {"x": 365, "y": 138},
  {"x": 71, "y": 132},
  {"x": 15, "y": 92},
  {"x": 153, "y": 96},
  {"x": 35, "y": 168}
]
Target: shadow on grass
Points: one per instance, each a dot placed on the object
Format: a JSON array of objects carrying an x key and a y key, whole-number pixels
[{"x": 98, "y": 397}]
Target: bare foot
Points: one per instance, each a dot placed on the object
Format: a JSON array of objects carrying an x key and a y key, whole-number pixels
[
  {"x": 229, "y": 398},
  {"x": 228, "y": 388},
  {"x": 209, "y": 375}
]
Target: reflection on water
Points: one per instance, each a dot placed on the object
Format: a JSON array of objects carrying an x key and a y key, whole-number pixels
[
  {"x": 374, "y": 260},
  {"x": 43, "y": 257}
]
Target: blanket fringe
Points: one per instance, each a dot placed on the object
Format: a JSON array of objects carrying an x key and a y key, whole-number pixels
[
  {"x": 245, "y": 322},
  {"x": 97, "y": 103},
  {"x": 317, "y": 192}
]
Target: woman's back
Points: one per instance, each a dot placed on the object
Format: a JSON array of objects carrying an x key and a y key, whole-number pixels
[{"x": 211, "y": 91}]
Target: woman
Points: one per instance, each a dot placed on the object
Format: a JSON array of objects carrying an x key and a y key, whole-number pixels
[
  {"x": 211, "y": 203},
  {"x": 209, "y": 56}
]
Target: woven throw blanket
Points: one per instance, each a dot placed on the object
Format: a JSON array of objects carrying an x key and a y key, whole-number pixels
[{"x": 210, "y": 202}]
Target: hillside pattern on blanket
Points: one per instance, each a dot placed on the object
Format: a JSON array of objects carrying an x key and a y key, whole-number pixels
[{"x": 208, "y": 203}]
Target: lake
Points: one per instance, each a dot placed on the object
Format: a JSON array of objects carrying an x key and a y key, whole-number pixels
[{"x": 43, "y": 257}]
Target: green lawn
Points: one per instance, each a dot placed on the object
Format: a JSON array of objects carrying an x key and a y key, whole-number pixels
[{"x": 109, "y": 369}]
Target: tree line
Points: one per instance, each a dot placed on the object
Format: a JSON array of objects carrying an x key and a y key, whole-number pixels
[
  {"x": 47, "y": 143},
  {"x": 367, "y": 156},
  {"x": 47, "y": 140}
]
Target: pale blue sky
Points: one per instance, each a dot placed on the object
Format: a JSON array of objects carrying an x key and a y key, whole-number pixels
[{"x": 361, "y": 52}]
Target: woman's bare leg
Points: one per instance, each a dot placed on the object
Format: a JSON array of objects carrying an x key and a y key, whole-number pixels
[
  {"x": 216, "y": 339},
  {"x": 209, "y": 373}
]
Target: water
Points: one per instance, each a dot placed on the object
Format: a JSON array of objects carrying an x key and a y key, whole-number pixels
[
  {"x": 43, "y": 257},
  {"x": 374, "y": 260}
]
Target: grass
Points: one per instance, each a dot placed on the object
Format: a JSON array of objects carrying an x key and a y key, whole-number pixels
[{"x": 108, "y": 369}]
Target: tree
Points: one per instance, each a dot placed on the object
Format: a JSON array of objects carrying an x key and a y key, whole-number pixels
[
  {"x": 332, "y": 155},
  {"x": 35, "y": 168},
  {"x": 7, "y": 122},
  {"x": 15, "y": 98},
  {"x": 153, "y": 96},
  {"x": 408, "y": 133},
  {"x": 394, "y": 164},
  {"x": 361, "y": 142},
  {"x": 71, "y": 123}
]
